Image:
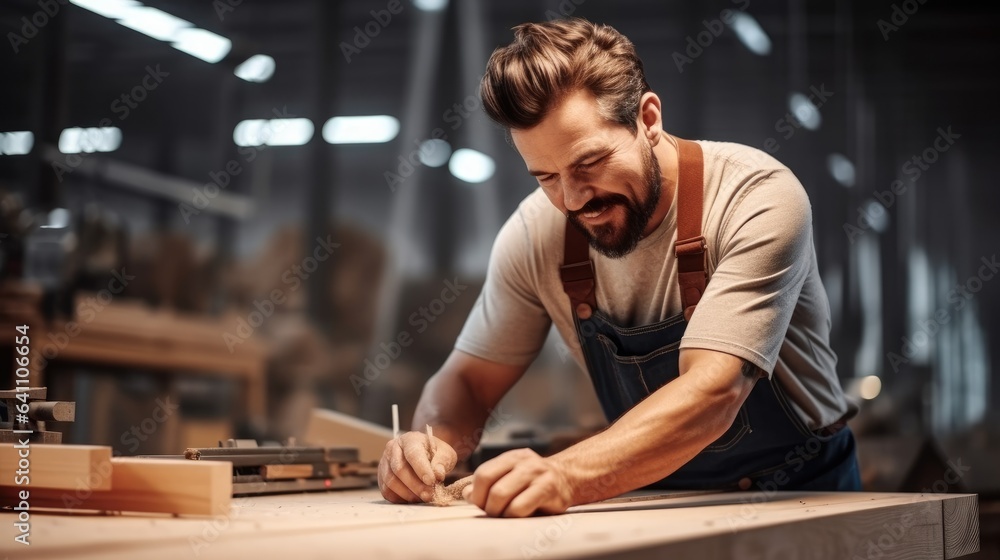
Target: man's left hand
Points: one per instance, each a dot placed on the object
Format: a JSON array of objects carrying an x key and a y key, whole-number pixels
[{"x": 519, "y": 483}]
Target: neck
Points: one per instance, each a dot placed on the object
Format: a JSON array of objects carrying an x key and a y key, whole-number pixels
[{"x": 666, "y": 155}]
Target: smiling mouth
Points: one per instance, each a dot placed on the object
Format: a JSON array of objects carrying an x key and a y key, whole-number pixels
[{"x": 595, "y": 209}]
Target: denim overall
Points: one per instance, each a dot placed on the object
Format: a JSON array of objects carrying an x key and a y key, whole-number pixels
[{"x": 768, "y": 447}]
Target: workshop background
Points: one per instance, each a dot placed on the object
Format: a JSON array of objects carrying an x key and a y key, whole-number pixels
[{"x": 225, "y": 214}]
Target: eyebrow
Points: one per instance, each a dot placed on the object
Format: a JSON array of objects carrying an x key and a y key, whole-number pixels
[{"x": 580, "y": 159}]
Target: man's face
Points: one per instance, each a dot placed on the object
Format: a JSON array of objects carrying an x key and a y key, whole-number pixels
[{"x": 604, "y": 178}]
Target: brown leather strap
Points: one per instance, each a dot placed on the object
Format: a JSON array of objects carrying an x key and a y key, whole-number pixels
[
  {"x": 690, "y": 246},
  {"x": 577, "y": 271}
]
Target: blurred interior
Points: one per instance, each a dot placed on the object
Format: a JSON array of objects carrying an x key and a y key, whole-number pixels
[{"x": 189, "y": 210}]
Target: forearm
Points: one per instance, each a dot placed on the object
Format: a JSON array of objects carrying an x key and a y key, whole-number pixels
[
  {"x": 653, "y": 439},
  {"x": 453, "y": 410}
]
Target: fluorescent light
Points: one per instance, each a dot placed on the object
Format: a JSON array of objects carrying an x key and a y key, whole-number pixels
[
  {"x": 58, "y": 218},
  {"x": 841, "y": 169},
  {"x": 69, "y": 141},
  {"x": 275, "y": 132},
  {"x": 878, "y": 216},
  {"x": 16, "y": 143},
  {"x": 372, "y": 129},
  {"x": 248, "y": 133},
  {"x": 257, "y": 68},
  {"x": 89, "y": 140},
  {"x": 111, "y": 139},
  {"x": 113, "y": 9},
  {"x": 202, "y": 44},
  {"x": 154, "y": 23},
  {"x": 434, "y": 152},
  {"x": 430, "y": 5},
  {"x": 180, "y": 33},
  {"x": 471, "y": 166},
  {"x": 289, "y": 132},
  {"x": 804, "y": 110},
  {"x": 750, "y": 33}
]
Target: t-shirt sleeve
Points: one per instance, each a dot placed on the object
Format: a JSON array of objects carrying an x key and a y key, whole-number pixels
[
  {"x": 764, "y": 247},
  {"x": 508, "y": 323}
]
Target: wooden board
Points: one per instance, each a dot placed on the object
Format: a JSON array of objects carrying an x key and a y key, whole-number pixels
[
  {"x": 59, "y": 467},
  {"x": 961, "y": 522},
  {"x": 177, "y": 487},
  {"x": 328, "y": 428},
  {"x": 359, "y": 524}
]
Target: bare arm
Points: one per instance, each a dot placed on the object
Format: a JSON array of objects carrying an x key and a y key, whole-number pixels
[
  {"x": 650, "y": 441},
  {"x": 459, "y": 398},
  {"x": 456, "y": 402}
]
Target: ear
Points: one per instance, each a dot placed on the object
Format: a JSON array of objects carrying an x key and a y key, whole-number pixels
[{"x": 650, "y": 117}]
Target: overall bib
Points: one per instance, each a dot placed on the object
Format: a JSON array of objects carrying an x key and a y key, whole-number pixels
[{"x": 768, "y": 446}]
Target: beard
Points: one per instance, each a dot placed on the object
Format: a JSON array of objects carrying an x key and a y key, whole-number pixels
[{"x": 613, "y": 240}]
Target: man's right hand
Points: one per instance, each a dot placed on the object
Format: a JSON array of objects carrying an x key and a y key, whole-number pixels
[{"x": 409, "y": 469}]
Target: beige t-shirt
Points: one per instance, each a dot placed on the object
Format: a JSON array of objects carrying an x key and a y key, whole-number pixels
[{"x": 764, "y": 301}]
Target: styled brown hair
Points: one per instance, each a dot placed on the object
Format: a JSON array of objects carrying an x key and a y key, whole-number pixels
[{"x": 545, "y": 61}]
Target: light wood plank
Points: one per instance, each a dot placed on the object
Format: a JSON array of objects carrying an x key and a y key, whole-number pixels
[
  {"x": 59, "y": 467},
  {"x": 285, "y": 472},
  {"x": 328, "y": 428},
  {"x": 177, "y": 487},
  {"x": 961, "y": 526}
]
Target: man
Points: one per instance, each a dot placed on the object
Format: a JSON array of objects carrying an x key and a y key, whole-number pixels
[{"x": 697, "y": 308}]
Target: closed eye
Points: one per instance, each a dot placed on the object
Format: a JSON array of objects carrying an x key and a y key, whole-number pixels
[{"x": 591, "y": 164}]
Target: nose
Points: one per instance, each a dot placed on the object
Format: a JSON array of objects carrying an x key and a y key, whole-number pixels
[{"x": 576, "y": 194}]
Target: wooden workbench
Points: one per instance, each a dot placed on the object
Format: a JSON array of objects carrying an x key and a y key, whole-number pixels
[{"x": 359, "y": 524}]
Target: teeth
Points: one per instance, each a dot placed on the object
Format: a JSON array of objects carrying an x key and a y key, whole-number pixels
[{"x": 592, "y": 214}]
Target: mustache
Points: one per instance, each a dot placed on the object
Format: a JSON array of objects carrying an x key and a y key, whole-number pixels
[{"x": 600, "y": 204}]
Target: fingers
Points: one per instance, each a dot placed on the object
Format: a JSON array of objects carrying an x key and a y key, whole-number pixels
[
  {"x": 444, "y": 460},
  {"x": 396, "y": 474},
  {"x": 504, "y": 490},
  {"x": 528, "y": 501},
  {"x": 490, "y": 472},
  {"x": 407, "y": 472},
  {"x": 389, "y": 484},
  {"x": 517, "y": 484},
  {"x": 417, "y": 455}
]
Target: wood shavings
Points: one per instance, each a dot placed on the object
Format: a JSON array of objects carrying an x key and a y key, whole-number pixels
[{"x": 445, "y": 495}]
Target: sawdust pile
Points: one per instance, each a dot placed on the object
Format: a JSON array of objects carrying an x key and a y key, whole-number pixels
[{"x": 445, "y": 495}]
